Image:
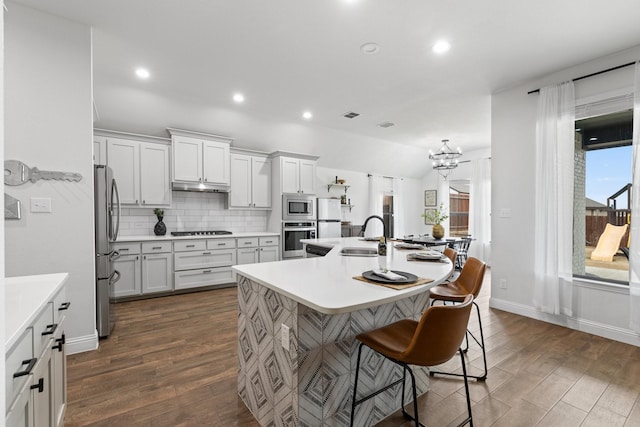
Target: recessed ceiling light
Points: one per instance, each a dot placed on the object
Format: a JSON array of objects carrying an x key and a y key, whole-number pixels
[
  {"x": 593, "y": 138},
  {"x": 369, "y": 48},
  {"x": 238, "y": 97},
  {"x": 441, "y": 46},
  {"x": 307, "y": 115},
  {"x": 143, "y": 73}
]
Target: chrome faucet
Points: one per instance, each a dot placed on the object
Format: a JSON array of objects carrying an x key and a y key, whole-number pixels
[{"x": 384, "y": 226}]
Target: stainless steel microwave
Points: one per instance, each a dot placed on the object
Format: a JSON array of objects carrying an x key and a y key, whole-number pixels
[{"x": 297, "y": 207}]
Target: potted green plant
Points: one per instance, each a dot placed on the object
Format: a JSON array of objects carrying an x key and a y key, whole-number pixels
[
  {"x": 435, "y": 217},
  {"x": 159, "y": 229}
]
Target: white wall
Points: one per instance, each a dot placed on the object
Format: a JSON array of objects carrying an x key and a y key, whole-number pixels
[
  {"x": 599, "y": 309},
  {"x": 2, "y": 321},
  {"x": 358, "y": 192},
  {"x": 49, "y": 126}
]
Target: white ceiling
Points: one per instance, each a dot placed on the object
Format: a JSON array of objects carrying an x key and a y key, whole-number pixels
[{"x": 290, "y": 55}]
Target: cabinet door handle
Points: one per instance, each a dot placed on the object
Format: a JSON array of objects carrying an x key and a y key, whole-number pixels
[
  {"x": 205, "y": 180},
  {"x": 144, "y": 202},
  {"x": 144, "y": 257},
  {"x": 269, "y": 241},
  {"x": 30, "y": 364},
  {"x": 50, "y": 329},
  {"x": 137, "y": 257},
  {"x": 39, "y": 386},
  {"x": 206, "y": 253},
  {"x": 123, "y": 249},
  {"x": 206, "y": 271},
  {"x": 191, "y": 246},
  {"x": 222, "y": 244},
  {"x": 247, "y": 243},
  {"x": 157, "y": 247},
  {"x": 60, "y": 342},
  {"x": 64, "y": 306}
]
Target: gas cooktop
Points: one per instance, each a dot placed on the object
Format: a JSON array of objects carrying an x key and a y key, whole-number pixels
[{"x": 200, "y": 233}]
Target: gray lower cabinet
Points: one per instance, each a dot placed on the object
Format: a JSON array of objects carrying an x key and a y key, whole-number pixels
[
  {"x": 258, "y": 249},
  {"x": 144, "y": 268},
  {"x": 199, "y": 263},
  {"x": 36, "y": 370}
]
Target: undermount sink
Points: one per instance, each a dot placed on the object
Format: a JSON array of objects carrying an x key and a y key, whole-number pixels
[{"x": 359, "y": 252}]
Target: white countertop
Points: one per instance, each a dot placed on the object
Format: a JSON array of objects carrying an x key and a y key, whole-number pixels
[
  {"x": 168, "y": 236},
  {"x": 25, "y": 296},
  {"x": 326, "y": 283}
]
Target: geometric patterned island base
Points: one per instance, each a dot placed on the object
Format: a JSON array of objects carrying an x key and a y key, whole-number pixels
[{"x": 310, "y": 383}]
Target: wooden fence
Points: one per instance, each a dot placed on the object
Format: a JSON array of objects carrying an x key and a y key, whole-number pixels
[{"x": 595, "y": 225}]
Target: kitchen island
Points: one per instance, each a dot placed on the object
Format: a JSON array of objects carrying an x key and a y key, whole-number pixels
[{"x": 297, "y": 324}]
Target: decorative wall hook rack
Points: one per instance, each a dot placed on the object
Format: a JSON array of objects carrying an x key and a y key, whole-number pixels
[{"x": 17, "y": 173}]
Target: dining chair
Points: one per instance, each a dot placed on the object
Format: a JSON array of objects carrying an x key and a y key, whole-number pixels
[
  {"x": 433, "y": 340},
  {"x": 468, "y": 282},
  {"x": 463, "y": 251},
  {"x": 452, "y": 254}
]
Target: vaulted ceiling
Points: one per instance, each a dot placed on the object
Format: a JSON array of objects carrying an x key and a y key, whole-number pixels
[{"x": 288, "y": 56}]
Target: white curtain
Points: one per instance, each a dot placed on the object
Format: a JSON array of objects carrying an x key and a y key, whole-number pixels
[
  {"x": 634, "y": 250},
  {"x": 376, "y": 196},
  {"x": 480, "y": 209},
  {"x": 553, "y": 198},
  {"x": 399, "y": 209}
]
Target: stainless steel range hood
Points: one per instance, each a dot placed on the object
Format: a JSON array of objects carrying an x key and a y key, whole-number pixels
[{"x": 199, "y": 186}]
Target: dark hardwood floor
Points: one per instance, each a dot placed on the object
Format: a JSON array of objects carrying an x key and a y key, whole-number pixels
[{"x": 172, "y": 362}]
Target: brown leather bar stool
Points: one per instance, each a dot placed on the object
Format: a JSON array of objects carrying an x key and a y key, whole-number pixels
[
  {"x": 433, "y": 340},
  {"x": 452, "y": 254},
  {"x": 468, "y": 282}
]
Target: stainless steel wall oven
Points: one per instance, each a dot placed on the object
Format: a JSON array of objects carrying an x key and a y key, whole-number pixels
[{"x": 292, "y": 233}]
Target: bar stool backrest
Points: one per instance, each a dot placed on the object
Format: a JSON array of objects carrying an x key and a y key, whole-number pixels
[
  {"x": 471, "y": 276},
  {"x": 439, "y": 334},
  {"x": 451, "y": 254}
]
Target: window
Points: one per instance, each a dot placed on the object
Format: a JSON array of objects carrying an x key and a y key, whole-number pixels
[
  {"x": 458, "y": 208},
  {"x": 602, "y": 191}
]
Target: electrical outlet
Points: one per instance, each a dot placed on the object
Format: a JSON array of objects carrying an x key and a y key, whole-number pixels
[
  {"x": 285, "y": 336},
  {"x": 503, "y": 284}
]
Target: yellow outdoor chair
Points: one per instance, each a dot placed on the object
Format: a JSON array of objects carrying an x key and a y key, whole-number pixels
[{"x": 609, "y": 242}]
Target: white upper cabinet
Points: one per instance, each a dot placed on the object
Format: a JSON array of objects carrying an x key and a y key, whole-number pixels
[
  {"x": 250, "y": 181},
  {"x": 141, "y": 170},
  {"x": 297, "y": 175},
  {"x": 200, "y": 158}
]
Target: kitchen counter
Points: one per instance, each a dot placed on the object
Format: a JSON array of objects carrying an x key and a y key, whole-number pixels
[
  {"x": 297, "y": 323},
  {"x": 25, "y": 296},
  {"x": 326, "y": 283},
  {"x": 168, "y": 236}
]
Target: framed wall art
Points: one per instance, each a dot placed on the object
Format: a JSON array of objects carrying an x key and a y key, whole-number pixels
[
  {"x": 429, "y": 216},
  {"x": 430, "y": 197}
]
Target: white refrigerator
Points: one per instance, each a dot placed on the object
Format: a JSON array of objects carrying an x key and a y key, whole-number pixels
[{"x": 329, "y": 218}]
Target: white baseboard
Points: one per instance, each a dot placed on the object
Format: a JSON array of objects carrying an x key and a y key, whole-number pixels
[
  {"x": 615, "y": 333},
  {"x": 82, "y": 344}
]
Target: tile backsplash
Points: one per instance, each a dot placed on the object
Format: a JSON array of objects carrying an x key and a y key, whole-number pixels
[{"x": 193, "y": 211}]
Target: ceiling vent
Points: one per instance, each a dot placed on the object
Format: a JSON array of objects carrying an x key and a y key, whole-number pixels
[
  {"x": 350, "y": 115},
  {"x": 386, "y": 124}
]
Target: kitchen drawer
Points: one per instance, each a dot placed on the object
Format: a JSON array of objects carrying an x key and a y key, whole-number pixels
[
  {"x": 247, "y": 242},
  {"x": 221, "y": 243},
  {"x": 204, "y": 259},
  {"x": 60, "y": 305},
  {"x": 269, "y": 241},
  {"x": 21, "y": 352},
  {"x": 156, "y": 247},
  {"x": 43, "y": 329},
  {"x": 203, "y": 277},
  {"x": 127, "y": 248},
  {"x": 190, "y": 245}
]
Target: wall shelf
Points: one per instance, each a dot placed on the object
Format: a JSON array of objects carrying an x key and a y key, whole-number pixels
[
  {"x": 344, "y": 205},
  {"x": 346, "y": 187}
]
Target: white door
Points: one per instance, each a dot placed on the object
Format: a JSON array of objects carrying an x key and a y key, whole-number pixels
[
  {"x": 261, "y": 182},
  {"x": 187, "y": 159},
  {"x": 122, "y": 157},
  {"x": 290, "y": 174},
  {"x": 129, "y": 268},
  {"x": 216, "y": 162},
  {"x": 155, "y": 175},
  {"x": 307, "y": 176},
  {"x": 156, "y": 273},
  {"x": 240, "y": 194}
]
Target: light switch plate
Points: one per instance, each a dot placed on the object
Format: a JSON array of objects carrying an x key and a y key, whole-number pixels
[{"x": 41, "y": 204}]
